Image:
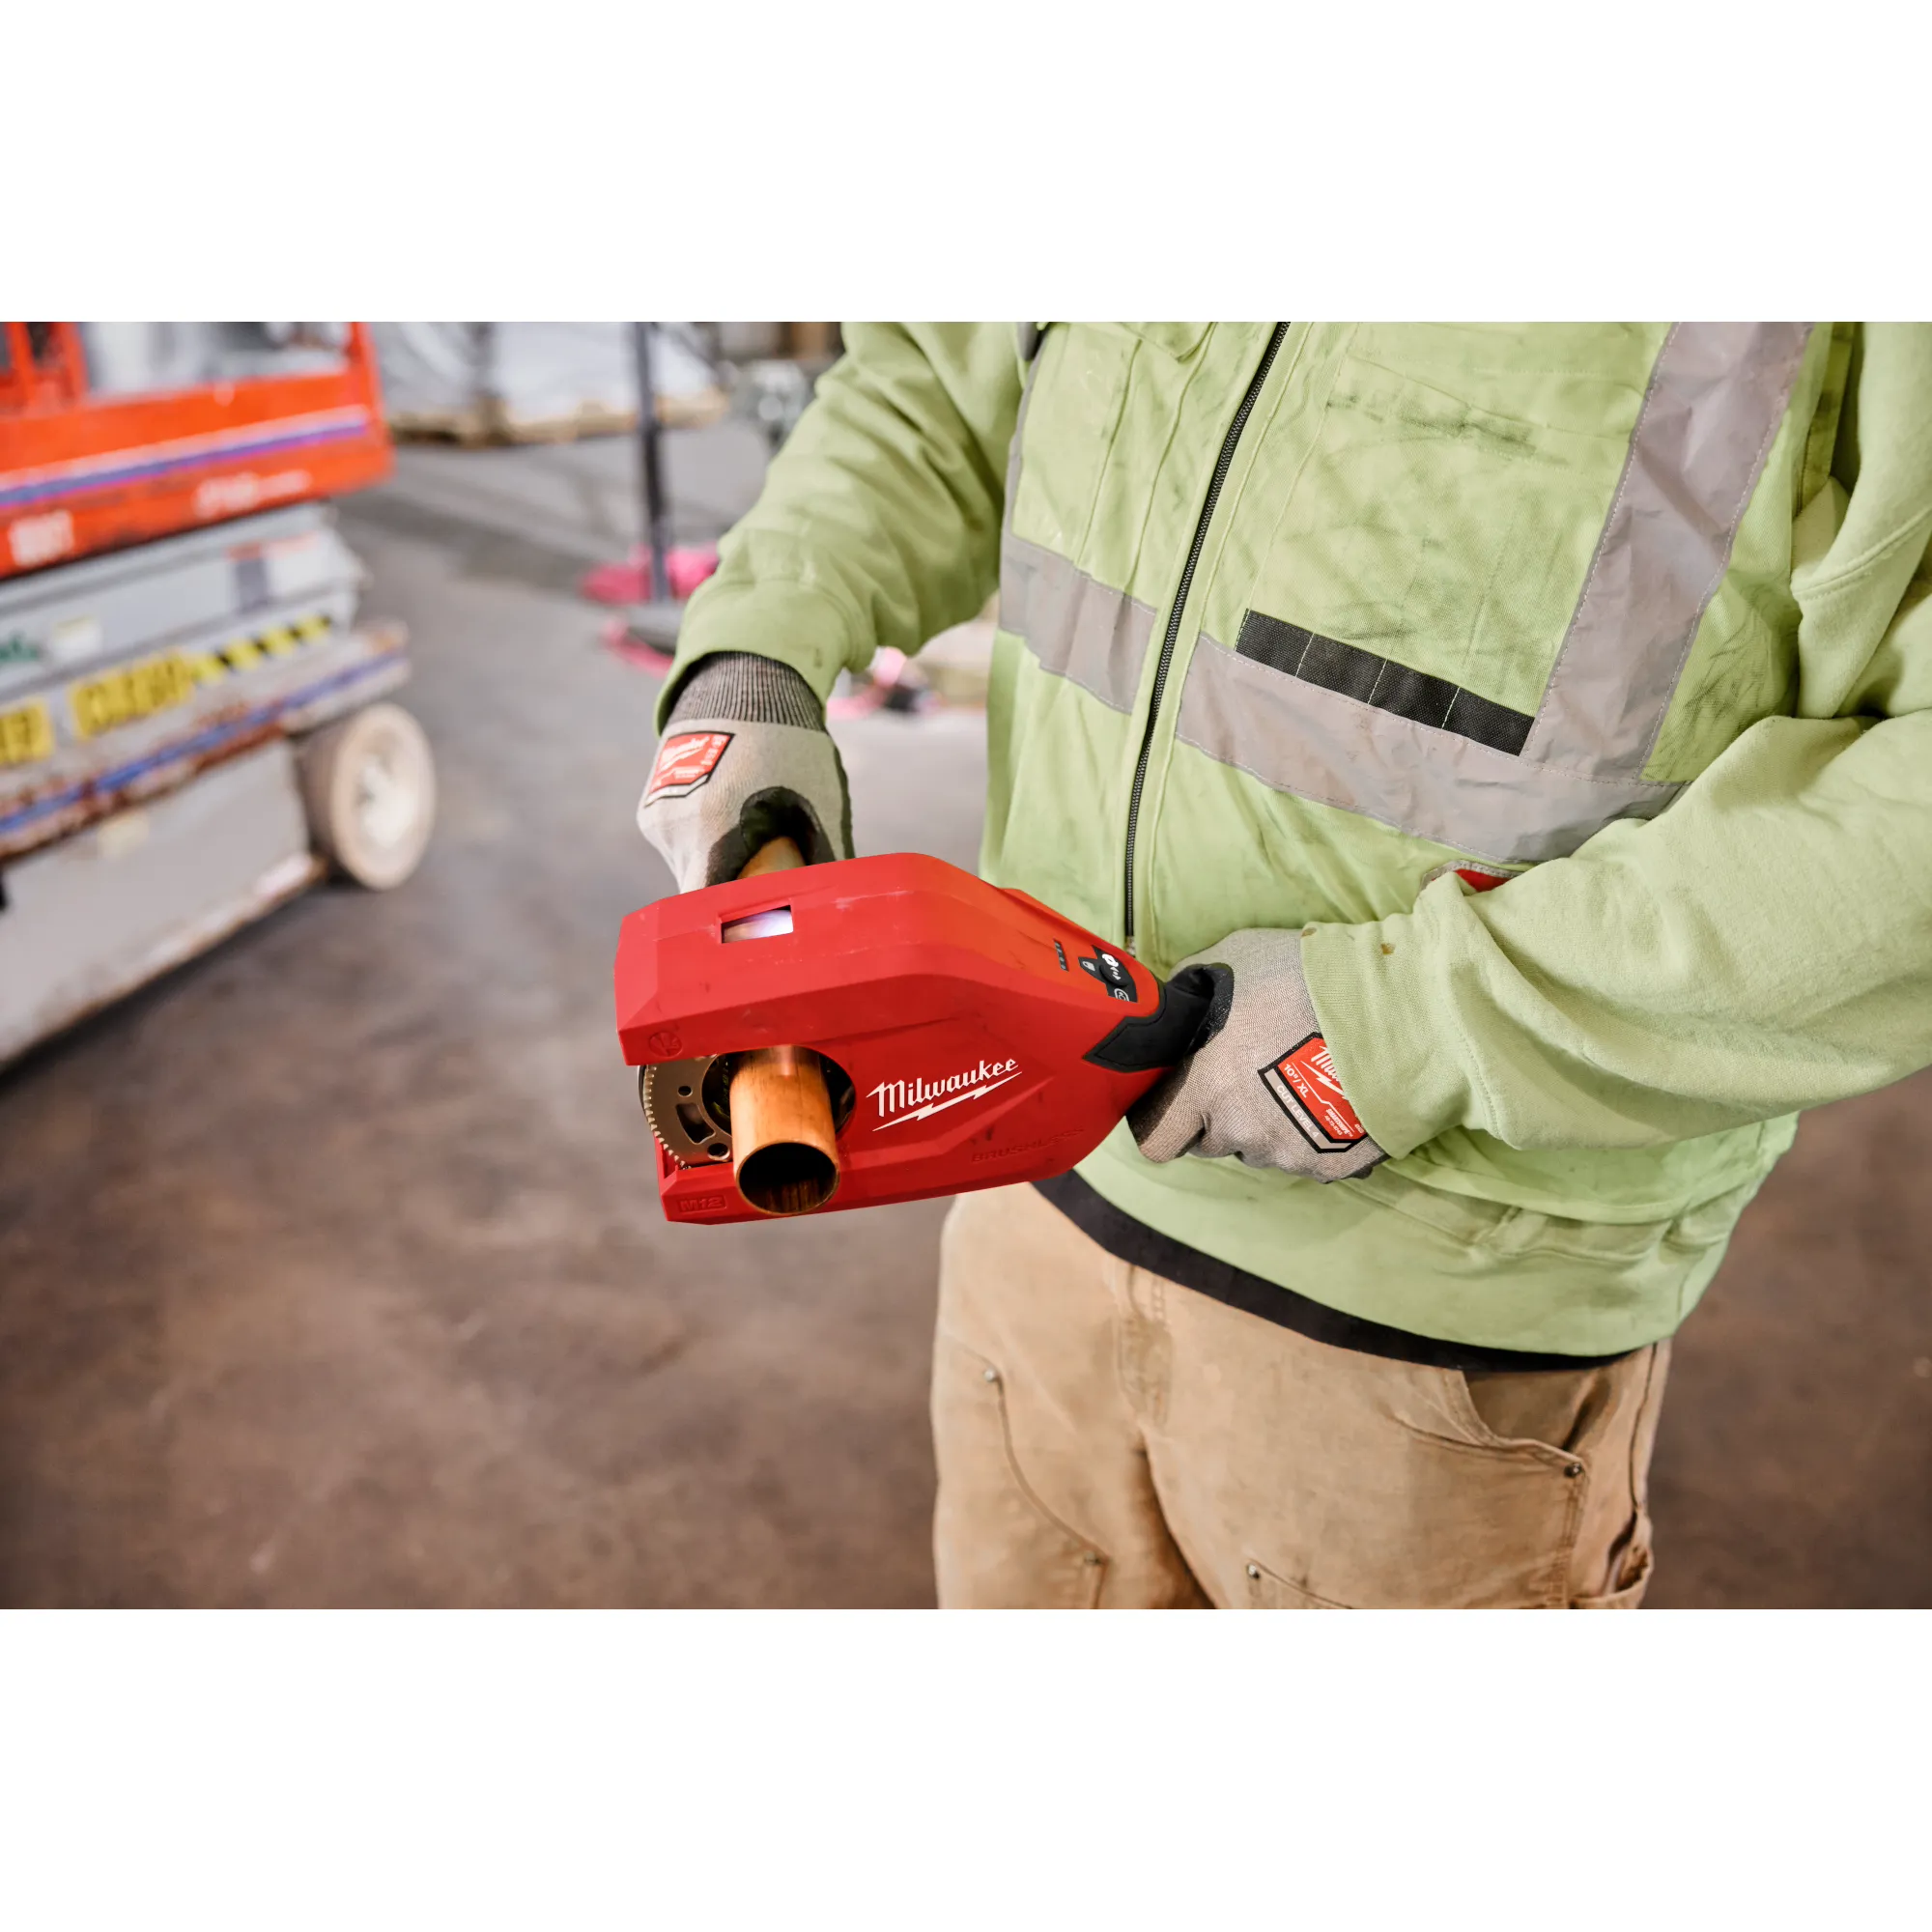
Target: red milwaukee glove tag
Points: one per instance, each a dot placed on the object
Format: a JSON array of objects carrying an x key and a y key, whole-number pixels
[
  {"x": 683, "y": 762},
  {"x": 1304, "y": 1085}
]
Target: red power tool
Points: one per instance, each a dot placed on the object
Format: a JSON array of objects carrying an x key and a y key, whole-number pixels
[{"x": 969, "y": 1036}]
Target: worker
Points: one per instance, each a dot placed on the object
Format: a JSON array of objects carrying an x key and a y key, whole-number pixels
[{"x": 1531, "y": 729}]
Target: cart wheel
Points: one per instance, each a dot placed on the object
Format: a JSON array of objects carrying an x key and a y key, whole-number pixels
[{"x": 369, "y": 783}]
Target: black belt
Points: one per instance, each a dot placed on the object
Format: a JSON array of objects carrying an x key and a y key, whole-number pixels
[{"x": 1141, "y": 1246}]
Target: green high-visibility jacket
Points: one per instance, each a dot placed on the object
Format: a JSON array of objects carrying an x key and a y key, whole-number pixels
[{"x": 1331, "y": 626}]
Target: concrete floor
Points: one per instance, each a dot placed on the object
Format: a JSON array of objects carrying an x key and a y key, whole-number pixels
[{"x": 331, "y": 1271}]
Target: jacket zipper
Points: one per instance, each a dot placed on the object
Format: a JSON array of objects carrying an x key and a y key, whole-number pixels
[{"x": 1223, "y": 464}]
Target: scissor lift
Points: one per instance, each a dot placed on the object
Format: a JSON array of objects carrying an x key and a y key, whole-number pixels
[{"x": 191, "y": 719}]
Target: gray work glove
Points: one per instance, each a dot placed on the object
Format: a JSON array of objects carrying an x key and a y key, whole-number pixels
[
  {"x": 1262, "y": 1088},
  {"x": 745, "y": 758}
]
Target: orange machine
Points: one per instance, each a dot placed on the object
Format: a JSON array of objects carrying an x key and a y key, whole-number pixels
[
  {"x": 82, "y": 471},
  {"x": 195, "y": 722}
]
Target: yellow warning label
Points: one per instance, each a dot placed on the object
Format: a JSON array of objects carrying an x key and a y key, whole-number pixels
[
  {"x": 27, "y": 734},
  {"x": 244, "y": 654},
  {"x": 135, "y": 692}
]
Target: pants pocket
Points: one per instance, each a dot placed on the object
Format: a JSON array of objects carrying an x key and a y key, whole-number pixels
[
  {"x": 1599, "y": 1423},
  {"x": 1265, "y": 1591},
  {"x": 996, "y": 1543},
  {"x": 1628, "y": 1595}
]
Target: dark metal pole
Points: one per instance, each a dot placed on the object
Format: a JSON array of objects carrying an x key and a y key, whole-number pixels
[{"x": 657, "y": 519}]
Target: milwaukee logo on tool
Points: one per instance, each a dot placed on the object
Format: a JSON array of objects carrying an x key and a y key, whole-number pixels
[
  {"x": 1304, "y": 1085},
  {"x": 683, "y": 762},
  {"x": 902, "y": 1101}
]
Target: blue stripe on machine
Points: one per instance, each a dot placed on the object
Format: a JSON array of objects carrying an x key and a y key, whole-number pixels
[{"x": 75, "y": 478}]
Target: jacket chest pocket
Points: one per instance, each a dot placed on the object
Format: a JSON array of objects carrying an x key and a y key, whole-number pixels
[
  {"x": 1068, "y": 424},
  {"x": 1434, "y": 609},
  {"x": 1444, "y": 519},
  {"x": 1110, "y": 450}
]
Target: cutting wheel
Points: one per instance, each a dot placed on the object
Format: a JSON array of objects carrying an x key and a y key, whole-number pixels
[{"x": 688, "y": 1104}]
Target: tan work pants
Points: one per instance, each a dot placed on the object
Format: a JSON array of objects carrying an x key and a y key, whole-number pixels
[{"x": 1107, "y": 1437}]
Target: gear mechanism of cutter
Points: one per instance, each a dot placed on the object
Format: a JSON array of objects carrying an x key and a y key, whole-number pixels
[{"x": 689, "y": 1106}]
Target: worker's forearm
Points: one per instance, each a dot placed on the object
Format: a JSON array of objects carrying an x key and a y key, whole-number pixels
[
  {"x": 1765, "y": 945},
  {"x": 879, "y": 522}
]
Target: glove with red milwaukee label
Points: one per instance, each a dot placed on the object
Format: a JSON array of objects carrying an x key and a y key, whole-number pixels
[
  {"x": 745, "y": 758},
  {"x": 1262, "y": 1086}
]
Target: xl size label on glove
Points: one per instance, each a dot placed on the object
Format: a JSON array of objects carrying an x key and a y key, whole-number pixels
[
  {"x": 1304, "y": 1085},
  {"x": 683, "y": 762}
]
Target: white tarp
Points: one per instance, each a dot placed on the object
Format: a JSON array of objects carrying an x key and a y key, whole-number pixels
[
  {"x": 522, "y": 377},
  {"x": 135, "y": 357}
]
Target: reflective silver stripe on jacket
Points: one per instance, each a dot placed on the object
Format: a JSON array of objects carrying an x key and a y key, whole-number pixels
[
  {"x": 1319, "y": 745},
  {"x": 1073, "y": 624},
  {"x": 1717, "y": 395}
]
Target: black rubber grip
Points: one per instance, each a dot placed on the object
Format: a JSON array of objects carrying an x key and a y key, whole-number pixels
[{"x": 1193, "y": 1008}]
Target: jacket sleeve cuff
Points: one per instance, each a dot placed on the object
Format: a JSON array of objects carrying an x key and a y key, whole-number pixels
[
  {"x": 1384, "y": 995},
  {"x": 797, "y": 624}
]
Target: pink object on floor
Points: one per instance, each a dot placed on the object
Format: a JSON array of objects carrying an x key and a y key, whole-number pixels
[
  {"x": 889, "y": 687},
  {"x": 630, "y": 581},
  {"x": 615, "y": 637}
]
